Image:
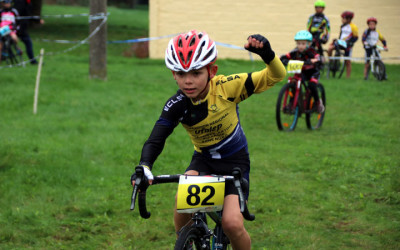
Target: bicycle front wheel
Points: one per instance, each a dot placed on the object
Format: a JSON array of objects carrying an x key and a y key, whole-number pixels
[
  {"x": 191, "y": 238},
  {"x": 342, "y": 66},
  {"x": 379, "y": 70},
  {"x": 334, "y": 66},
  {"x": 313, "y": 118},
  {"x": 287, "y": 111}
]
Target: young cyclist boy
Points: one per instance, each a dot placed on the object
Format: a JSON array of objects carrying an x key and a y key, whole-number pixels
[
  {"x": 8, "y": 17},
  {"x": 206, "y": 104},
  {"x": 348, "y": 33},
  {"x": 318, "y": 25},
  {"x": 370, "y": 38},
  {"x": 312, "y": 60}
]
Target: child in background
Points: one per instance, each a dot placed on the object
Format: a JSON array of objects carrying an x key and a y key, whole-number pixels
[
  {"x": 318, "y": 25},
  {"x": 348, "y": 33},
  {"x": 312, "y": 60},
  {"x": 370, "y": 38},
  {"x": 8, "y": 17}
]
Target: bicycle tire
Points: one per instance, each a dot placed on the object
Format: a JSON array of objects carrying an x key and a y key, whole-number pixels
[
  {"x": 334, "y": 65},
  {"x": 190, "y": 237},
  {"x": 287, "y": 113},
  {"x": 18, "y": 55},
  {"x": 342, "y": 66},
  {"x": 313, "y": 118},
  {"x": 379, "y": 70},
  {"x": 10, "y": 53},
  {"x": 12, "y": 58}
]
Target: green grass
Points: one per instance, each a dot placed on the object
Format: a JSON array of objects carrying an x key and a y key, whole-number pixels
[{"x": 64, "y": 173}]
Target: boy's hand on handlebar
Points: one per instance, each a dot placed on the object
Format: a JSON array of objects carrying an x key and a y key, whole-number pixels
[
  {"x": 147, "y": 173},
  {"x": 260, "y": 45}
]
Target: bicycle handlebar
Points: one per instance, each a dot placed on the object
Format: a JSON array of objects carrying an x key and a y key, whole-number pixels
[{"x": 141, "y": 185}]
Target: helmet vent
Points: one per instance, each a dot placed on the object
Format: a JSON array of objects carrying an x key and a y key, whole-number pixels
[
  {"x": 199, "y": 53},
  {"x": 180, "y": 42},
  {"x": 189, "y": 56},
  {"x": 192, "y": 41},
  {"x": 181, "y": 56},
  {"x": 208, "y": 54}
]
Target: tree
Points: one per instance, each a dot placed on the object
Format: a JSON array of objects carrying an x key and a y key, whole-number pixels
[{"x": 98, "y": 42}]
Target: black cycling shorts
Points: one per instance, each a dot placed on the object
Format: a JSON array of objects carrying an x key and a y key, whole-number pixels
[{"x": 205, "y": 166}]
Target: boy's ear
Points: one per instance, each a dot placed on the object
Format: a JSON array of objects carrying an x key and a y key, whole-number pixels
[
  {"x": 213, "y": 70},
  {"x": 173, "y": 74}
]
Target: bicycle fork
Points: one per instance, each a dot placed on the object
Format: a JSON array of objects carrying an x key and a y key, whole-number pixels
[
  {"x": 200, "y": 221},
  {"x": 297, "y": 97}
]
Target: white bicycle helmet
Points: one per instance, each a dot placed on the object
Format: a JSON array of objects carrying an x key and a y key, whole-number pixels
[{"x": 190, "y": 51}]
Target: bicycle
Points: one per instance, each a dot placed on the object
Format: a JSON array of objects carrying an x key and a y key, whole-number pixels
[
  {"x": 377, "y": 67},
  {"x": 10, "y": 52},
  {"x": 296, "y": 98},
  {"x": 200, "y": 196},
  {"x": 323, "y": 53},
  {"x": 336, "y": 63}
]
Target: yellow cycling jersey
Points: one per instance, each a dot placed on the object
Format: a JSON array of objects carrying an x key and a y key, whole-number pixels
[
  {"x": 348, "y": 31},
  {"x": 213, "y": 123}
]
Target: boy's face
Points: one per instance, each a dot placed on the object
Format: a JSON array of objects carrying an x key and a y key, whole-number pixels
[
  {"x": 319, "y": 10},
  {"x": 372, "y": 25},
  {"x": 194, "y": 83},
  {"x": 302, "y": 45},
  {"x": 6, "y": 5},
  {"x": 345, "y": 20}
]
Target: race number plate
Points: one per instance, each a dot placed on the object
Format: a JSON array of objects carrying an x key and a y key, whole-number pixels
[
  {"x": 200, "y": 194},
  {"x": 294, "y": 66}
]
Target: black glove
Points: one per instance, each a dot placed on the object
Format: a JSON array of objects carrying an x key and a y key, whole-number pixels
[
  {"x": 146, "y": 171},
  {"x": 266, "y": 53}
]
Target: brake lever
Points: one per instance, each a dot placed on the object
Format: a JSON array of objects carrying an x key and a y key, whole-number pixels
[
  {"x": 134, "y": 192},
  {"x": 237, "y": 174},
  {"x": 139, "y": 175}
]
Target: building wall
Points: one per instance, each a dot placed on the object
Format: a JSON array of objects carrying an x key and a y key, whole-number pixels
[{"x": 232, "y": 21}]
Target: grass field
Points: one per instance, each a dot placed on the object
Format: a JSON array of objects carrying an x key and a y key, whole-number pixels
[{"x": 64, "y": 173}]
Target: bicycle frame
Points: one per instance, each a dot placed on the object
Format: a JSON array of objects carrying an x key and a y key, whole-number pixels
[
  {"x": 337, "y": 64},
  {"x": 219, "y": 238},
  {"x": 375, "y": 55},
  {"x": 298, "y": 97},
  {"x": 377, "y": 67}
]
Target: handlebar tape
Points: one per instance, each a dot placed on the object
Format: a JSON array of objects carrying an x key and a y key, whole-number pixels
[{"x": 142, "y": 205}]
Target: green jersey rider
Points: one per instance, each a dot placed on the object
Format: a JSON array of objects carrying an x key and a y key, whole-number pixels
[{"x": 206, "y": 105}]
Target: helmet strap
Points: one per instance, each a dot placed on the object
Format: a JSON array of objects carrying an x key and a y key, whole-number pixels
[{"x": 208, "y": 79}]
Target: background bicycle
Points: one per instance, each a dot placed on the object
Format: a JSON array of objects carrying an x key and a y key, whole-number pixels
[
  {"x": 336, "y": 64},
  {"x": 317, "y": 45},
  {"x": 377, "y": 67},
  {"x": 10, "y": 52},
  {"x": 295, "y": 98},
  {"x": 200, "y": 196}
]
